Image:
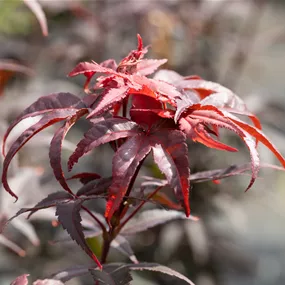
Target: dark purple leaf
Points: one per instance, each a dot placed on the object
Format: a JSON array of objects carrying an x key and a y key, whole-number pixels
[
  {"x": 56, "y": 145},
  {"x": 119, "y": 275},
  {"x": 69, "y": 273},
  {"x": 69, "y": 217},
  {"x": 171, "y": 156},
  {"x": 95, "y": 187},
  {"x": 125, "y": 163},
  {"x": 43, "y": 123},
  {"x": 152, "y": 218},
  {"x": 102, "y": 132},
  {"x": 50, "y": 201},
  {"x": 159, "y": 268},
  {"x": 85, "y": 177},
  {"x": 52, "y": 102}
]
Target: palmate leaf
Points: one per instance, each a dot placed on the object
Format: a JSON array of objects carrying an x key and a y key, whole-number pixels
[
  {"x": 170, "y": 153},
  {"x": 112, "y": 276},
  {"x": 125, "y": 163},
  {"x": 212, "y": 116},
  {"x": 95, "y": 187},
  {"x": 244, "y": 130},
  {"x": 103, "y": 131},
  {"x": 56, "y": 145},
  {"x": 89, "y": 69},
  {"x": 50, "y": 201},
  {"x": 52, "y": 102},
  {"x": 70, "y": 273},
  {"x": 165, "y": 92},
  {"x": 85, "y": 177},
  {"x": 44, "y": 122},
  {"x": 213, "y": 94},
  {"x": 69, "y": 217},
  {"x": 171, "y": 156},
  {"x": 160, "y": 268},
  {"x": 151, "y": 218},
  {"x": 108, "y": 99}
]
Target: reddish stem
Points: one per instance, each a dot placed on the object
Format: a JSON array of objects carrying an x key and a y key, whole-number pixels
[{"x": 138, "y": 208}]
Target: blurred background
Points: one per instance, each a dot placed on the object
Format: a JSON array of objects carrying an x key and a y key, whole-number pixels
[{"x": 240, "y": 238}]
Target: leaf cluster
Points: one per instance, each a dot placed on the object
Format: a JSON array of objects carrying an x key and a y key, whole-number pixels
[{"x": 137, "y": 116}]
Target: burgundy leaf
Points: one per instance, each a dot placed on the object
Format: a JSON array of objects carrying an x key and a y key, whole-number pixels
[
  {"x": 187, "y": 99},
  {"x": 112, "y": 275},
  {"x": 21, "y": 280},
  {"x": 197, "y": 132},
  {"x": 69, "y": 217},
  {"x": 260, "y": 137},
  {"x": 151, "y": 218},
  {"x": 232, "y": 170},
  {"x": 43, "y": 105},
  {"x": 36, "y": 8},
  {"x": 69, "y": 273},
  {"x": 159, "y": 268},
  {"x": 95, "y": 187},
  {"x": 218, "y": 119},
  {"x": 144, "y": 116},
  {"x": 102, "y": 277},
  {"x": 108, "y": 99},
  {"x": 85, "y": 177},
  {"x": 102, "y": 132},
  {"x": 89, "y": 69},
  {"x": 165, "y": 91},
  {"x": 171, "y": 156},
  {"x": 125, "y": 163},
  {"x": 56, "y": 145},
  {"x": 148, "y": 66},
  {"x": 162, "y": 199},
  {"x": 121, "y": 244},
  {"x": 46, "y": 121},
  {"x": 50, "y": 201}
]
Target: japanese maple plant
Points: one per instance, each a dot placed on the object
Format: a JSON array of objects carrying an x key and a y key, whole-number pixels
[{"x": 137, "y": 116}]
